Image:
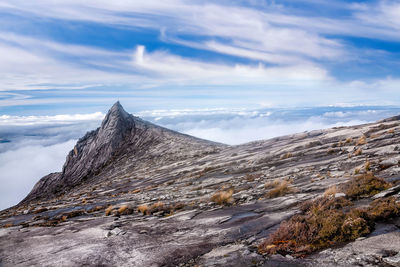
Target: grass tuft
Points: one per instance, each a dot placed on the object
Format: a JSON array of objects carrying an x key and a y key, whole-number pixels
[
  {"x": 108, "y": 210},
  {"x": 331, "y": 191},
  {"x": 223, "y": 197},
  {"x": 279, "y": 188},
  {"x": 143, "y": 209},
  {"x": 361, "y": 141}
]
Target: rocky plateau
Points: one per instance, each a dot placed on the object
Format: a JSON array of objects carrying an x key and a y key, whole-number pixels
[{"x": 132, "y": 193}]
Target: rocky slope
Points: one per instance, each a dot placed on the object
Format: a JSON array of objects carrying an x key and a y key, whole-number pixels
[{"x": 135, "y": 194}]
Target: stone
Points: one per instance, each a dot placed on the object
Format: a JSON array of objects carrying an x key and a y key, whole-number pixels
[
  {"x": 337, "y": 195},
  {"x": 391, "y": 191},
  {"x": 128, "y": 161},
  {"x": 394, "y": 260}
]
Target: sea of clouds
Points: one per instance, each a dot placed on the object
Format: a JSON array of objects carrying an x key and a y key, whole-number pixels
[{"x": 34, "y": 146}]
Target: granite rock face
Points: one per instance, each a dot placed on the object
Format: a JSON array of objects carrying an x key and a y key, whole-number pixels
[
  {"x": 132, "y": 193},
  {"x": 120, "y": 134}
]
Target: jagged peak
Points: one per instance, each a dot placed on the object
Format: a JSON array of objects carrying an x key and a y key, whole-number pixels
[{"x": 116, "y": 113}]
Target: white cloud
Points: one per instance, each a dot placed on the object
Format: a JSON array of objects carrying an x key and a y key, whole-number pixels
[
  {"x": 240, "y": 131},
  {"x": 8, "y": 120},
  {"x": 176, "y": 69},
  {"x": 31, "y": 63},
  {"x": 290, "y": 53},
  {"x": 22, "y": 168},
  {"x": 39, "y": 144}
]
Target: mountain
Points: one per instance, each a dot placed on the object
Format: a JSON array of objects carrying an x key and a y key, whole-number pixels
[
  {"x": 132, "y": 193},
  {"x": 121, "y": 137}
]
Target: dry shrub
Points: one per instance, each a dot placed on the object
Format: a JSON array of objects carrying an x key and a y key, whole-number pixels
[
  {"x": 122, "y": 208},
  {"x": 223, "y": 197},
  {"x": 358, "y": 152},
  {"x": 125, "y": 210},
  {"x": 364, "y": 185},
  {"x": 391, "y": 131},
  {"x": 136, "y": 191},
  {"x": 367, "y": 165},
  {"x": 108, "y": 210},
  {"x": 327, "y": 222},
  {"x": 286, "y": 156},
  {"x": 143, "y": 209},
  {"x": 349, "y": 140},
  {"x": 272, "y": 184},
  {"x": 178, "y": 206},
  {"x": 382, "y": 209},
  {"x": 331, "y": 151},
  {"x": 252, "y": 177},
  {"x": 322, "y": 223},
  {"x": 158, "y": 206},
  {"x": 361, "y": 141},
  {"x": 331, "y": 191},
  {"x": 280, "y": 188},
  {"x": 74, "y": 213},
  {"x": 94, "y": 209}
]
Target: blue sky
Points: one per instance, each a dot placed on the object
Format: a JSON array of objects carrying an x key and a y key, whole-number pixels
[
  {"x": 79, "y": 57},
  {"x": 228, "y": 71}
]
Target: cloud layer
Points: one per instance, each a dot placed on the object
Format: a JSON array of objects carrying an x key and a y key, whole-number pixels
[{"x": 34, "y": 146}]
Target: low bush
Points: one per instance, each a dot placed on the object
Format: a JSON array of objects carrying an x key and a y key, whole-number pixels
[
  {"x": 156, "y": 207},
  {"x": 322, "y": 223},
  {"x": 383, "y": 209},
  {"x": 279, "y": 188},
  {"x": 125, "y": 210},
  {"x": 108, "y": 210},
  {"x": 143, "y": 209},
  {"x": 364, "y": 185},
  {"x": 358, "y": 152},
  {"x": 331, "y": 191},
  {"x": 286, "y": 156},
  {"x": 223, "y": 197},
  {"x": 327, "y": 222},
  {"x": 94, "y": 209},
  {"x": 361, "y": 141}
]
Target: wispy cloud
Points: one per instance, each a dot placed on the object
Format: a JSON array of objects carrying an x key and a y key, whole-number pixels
[
  {"x": 178, "y": 69},
  {"x": 277, "y": 48}
]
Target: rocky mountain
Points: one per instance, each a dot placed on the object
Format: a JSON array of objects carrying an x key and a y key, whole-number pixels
[
  {"x": 132, "y": 193},
  {"x": 121, "y": 136}
]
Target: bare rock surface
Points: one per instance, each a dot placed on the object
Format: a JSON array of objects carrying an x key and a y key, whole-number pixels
[{"x": 132, "y": 193}]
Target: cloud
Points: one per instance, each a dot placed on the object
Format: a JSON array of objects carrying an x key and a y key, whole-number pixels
[
  {"x": 278, "y": 54},
  {"x": 20, "y": 169},
  {"x": 8, "y": 120},
  {"x": 31, "y": 63},
  {"x": 176, "y": 69},
  {"x": 39, "y": 144},
  {"x": 24, "y": 131},
  {"x": 244, "y": 125}
]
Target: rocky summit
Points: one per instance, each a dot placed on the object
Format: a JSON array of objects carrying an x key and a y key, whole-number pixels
[{"x": 132, "y": 193}]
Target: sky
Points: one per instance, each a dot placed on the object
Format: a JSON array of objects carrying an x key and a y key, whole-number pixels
[{"x": 229, "y": 71}]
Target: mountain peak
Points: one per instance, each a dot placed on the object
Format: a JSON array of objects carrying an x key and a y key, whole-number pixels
[
  {"x": 121, "y": 135},
  {"x": 116, "y": 113},
  {"x": 117, "y": 107}
]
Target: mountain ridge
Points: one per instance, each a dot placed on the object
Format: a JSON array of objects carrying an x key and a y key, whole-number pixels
[
  {"x": 168, "y": 199},
  {"x": 119, "y": 133}
]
